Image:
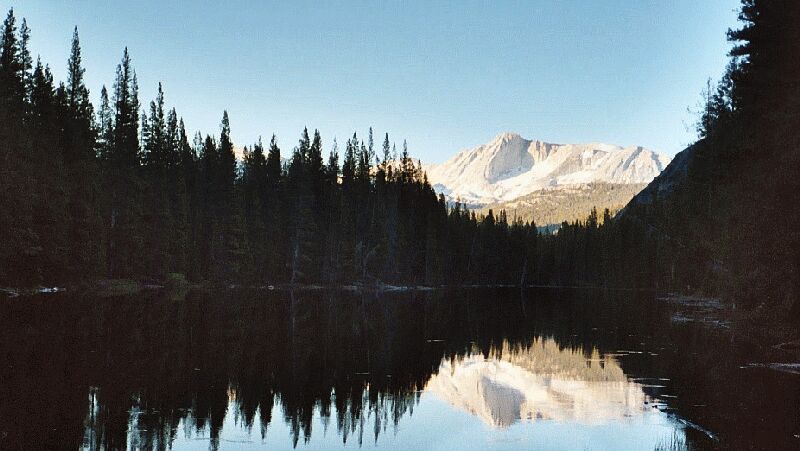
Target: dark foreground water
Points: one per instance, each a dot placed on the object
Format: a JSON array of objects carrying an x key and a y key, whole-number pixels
[{"x": 444, "y": 370}]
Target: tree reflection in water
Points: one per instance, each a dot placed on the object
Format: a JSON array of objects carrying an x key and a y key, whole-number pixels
[{"x": 151, "y": 370}]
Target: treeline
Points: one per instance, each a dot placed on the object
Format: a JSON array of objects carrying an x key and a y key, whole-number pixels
[
  {"x": 728, "y": 224},
  {"x": 731, "y": 227},
  {"x": 121, "y": 191}
]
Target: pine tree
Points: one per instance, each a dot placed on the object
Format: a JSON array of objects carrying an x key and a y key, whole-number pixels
[
  {"x": 230, "y": 256},
  {"x": 349, "y": 164},
  {"x": 388, "y": 192},
  {"x": 105, "y": 128},
  {"x": 316, "y": 167},
  {"x": 227, "y": 166},
  {"x": 254, "y": 179},
  {"x": 12, "y": 67},
  {"x": 190, "y": 202},
  {"x": 50, "y": 214},
  {"x": 82, "y": 171},
  {"x": 302, "y": 221},
  {"x": 125, "y": 243},
  {"x": 208, "y": 200},
  {"x": 19, "y": 245},
  {"x": 386, "y": 153},
  {"x": 25, "y": 56},
  {"x": 331, "y": 265},
  {"x": 273, "y": 211},
  {"x": 160, "y": 237},
  {"x": 348, "y": 212}
]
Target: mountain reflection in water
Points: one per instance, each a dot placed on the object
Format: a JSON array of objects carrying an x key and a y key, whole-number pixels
[{"x": 540, "y": 381}]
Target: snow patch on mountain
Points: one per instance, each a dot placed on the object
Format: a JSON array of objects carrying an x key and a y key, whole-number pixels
[{"x": 511, "y": 166}]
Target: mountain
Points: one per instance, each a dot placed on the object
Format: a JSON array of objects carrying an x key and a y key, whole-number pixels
[
  {"x": 511, "y": 166},
  {"x": 668, "y": 180}
]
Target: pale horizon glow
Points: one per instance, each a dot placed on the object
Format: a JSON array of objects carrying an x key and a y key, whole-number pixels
[{"x": 446, "y": 76}]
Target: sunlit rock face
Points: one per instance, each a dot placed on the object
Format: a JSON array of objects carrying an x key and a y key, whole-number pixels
[
  {"x": 511, "y": 166},
  {"x": 540, "y": 382}
]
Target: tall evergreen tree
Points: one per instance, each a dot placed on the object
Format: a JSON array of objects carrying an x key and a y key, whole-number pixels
[
  {"x": 253, "y": 184},
  {"x": 49, "y": 200},
  {"x": 81, "y": 166},
  {"x": 229, "y": 257},
  {"x": 19, "y": 243},
  {"x": 26, "y": 60},
  {"x": 273, "y": 211},
  {"x": 160, "y": 238},
  {"x": 302, "y": 221},
  {"x": 123, "y": 179}
]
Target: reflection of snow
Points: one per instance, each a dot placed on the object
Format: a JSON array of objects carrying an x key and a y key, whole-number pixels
[{"x": 539, "y": 382}]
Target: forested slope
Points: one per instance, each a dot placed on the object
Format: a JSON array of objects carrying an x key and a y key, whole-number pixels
[{"x": 727, "y": 214}]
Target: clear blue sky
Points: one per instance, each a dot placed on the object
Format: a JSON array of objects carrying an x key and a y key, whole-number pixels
[{"x": 444, "y": 75}]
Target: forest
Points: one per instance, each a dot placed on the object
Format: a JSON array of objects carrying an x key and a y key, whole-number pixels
[
  {"x": 728, "y": 227},
  {"x": 122, "y": 191}
]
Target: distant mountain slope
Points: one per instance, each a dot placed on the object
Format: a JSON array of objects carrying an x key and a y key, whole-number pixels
[
  {"x": 552, "y": 206},
  {"x": 667, "y": 181},
  {"x": 510, "y": 166}
]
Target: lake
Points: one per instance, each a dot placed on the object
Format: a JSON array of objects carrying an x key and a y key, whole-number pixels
[{"x": 429, "y": 370}]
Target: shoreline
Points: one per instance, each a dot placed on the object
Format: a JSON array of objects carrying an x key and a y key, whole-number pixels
[{"x": 767, "y": 328}]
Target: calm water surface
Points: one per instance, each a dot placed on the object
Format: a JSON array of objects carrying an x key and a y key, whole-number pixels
[{"x": 460, "y": 369}]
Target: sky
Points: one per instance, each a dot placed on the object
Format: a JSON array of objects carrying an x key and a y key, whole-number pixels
[{"x": 446, "y": 76}]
